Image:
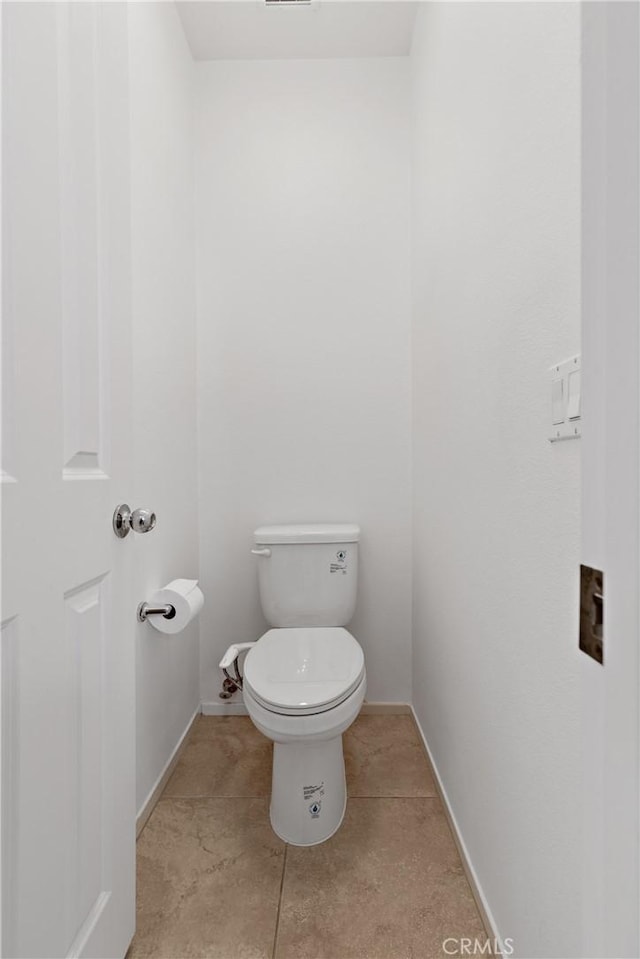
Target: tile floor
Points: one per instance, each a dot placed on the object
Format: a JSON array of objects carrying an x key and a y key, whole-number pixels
[{"x": 215, "y": 882}]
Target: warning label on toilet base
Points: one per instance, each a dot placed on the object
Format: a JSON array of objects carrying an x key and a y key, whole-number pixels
[{"x": 311, "y": 792}]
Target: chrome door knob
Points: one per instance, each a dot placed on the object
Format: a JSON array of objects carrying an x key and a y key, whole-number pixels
[{"x": 141, "y": 520}]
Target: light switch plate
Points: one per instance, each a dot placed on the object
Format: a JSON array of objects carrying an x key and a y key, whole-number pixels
[{"x": 565, "y": 400}]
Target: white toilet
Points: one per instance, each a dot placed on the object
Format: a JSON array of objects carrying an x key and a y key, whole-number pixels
[{"x": 304, "y": 680}]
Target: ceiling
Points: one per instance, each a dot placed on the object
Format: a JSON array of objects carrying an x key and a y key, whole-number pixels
[{"x": 253, "y": 30}]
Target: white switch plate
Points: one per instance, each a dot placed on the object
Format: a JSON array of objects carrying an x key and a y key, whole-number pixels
[{"x": 565, "y": 400}]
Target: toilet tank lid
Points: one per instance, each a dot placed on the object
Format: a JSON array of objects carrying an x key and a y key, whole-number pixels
[{"x": 308, "y": 533}]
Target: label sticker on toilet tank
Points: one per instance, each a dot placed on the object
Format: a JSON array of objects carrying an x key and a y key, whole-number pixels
[
  {"x": 310, "y": 792},
  {"x": 315, "y": 808},
  {"x": 341, "y": 565}
]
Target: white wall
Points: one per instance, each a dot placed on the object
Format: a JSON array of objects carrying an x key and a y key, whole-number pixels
[
  {"x": 303, "y": 323},
  {"x": 610, "y": 494},
  {"x": 164, "y": 401},
  {"x": 496, "y": 301}
]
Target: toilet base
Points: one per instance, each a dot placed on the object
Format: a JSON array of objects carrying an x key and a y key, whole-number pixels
[{"x": 309, "y": 791}]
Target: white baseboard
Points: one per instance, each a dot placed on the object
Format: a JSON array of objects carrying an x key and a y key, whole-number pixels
[
  {"x": 162, "y": 780},
  {"x": 387, "y": 709},
  {"x": 228, "y": 707},
  {"x": 237, "y": 708},
  {"x": 472, "y": 877}
]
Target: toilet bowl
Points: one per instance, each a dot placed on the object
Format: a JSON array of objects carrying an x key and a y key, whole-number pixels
[{"x": 303, "y": 686}]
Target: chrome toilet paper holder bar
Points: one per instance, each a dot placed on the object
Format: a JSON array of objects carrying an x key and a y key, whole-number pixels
[{"x": 144, "y": 610}]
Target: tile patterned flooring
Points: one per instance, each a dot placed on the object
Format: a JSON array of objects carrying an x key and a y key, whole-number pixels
[{"x": 215, "y": 882}]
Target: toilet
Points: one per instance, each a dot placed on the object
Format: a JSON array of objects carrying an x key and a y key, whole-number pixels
[{"x": 305, "y": 679}]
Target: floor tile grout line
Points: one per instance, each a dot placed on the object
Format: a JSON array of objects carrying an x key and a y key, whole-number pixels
[{"x": 275, "y": 935}]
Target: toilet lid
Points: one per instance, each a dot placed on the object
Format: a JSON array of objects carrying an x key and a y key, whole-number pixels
[{"x": 306, "y": 669}]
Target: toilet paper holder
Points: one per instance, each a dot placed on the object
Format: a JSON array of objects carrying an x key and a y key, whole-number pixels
[
  {"x": 144, "y": 610},
  {"x": 171, "y": 608}
]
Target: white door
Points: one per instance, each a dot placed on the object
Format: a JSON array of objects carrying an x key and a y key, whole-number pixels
[
  {"x": 67, "y": 655},
  {"x": 610, "y": 473}
]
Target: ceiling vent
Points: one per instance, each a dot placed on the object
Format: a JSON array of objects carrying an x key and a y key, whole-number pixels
[{"x": 287, "y": 3}]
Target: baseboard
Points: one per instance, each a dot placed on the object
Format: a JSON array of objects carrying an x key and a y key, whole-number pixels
[
  {"x": 388, "y": 709},
  {"x": 230, "y": 708},
  {"x": 224, "y": 708},
  {"x": 162, "y": 780},
  {"x": 472, "y": 877}
]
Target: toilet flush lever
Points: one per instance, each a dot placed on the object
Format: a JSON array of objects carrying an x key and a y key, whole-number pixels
[{"x": 261, "y": 551}]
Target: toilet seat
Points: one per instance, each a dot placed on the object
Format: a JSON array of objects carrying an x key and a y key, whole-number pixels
[{"x": 303, "y": 670}]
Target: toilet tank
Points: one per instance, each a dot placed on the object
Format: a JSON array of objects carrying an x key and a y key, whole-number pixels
[{"x": 308, "y": 574}]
